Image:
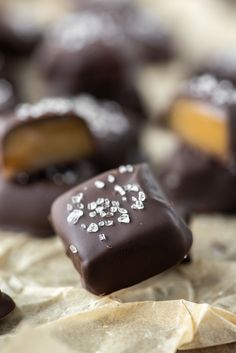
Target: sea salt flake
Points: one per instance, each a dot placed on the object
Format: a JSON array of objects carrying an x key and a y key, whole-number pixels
[
  {"x": 134, "y": 199},
  {"x": 119, "y": 189},
  {"x": 113, "y": 209},
  {"x": 109, "y": 214},
  {"x": 99, "y": 209},
  {"x": 137, "y": 206},
  {"x": 122, "y": 169},
  {"x": 124, "y": 218},
  {"x": 100, "y": 201},
  {"x": 77, "y": 198},
  {"x": 92, "y": 228},
  {"x": 73, "y": 249},
  {"x": 99, "y": 184},
  {"x": 74, "y": 216},
  {"x": 101, "y": 224},
  {"x": 115, "y": 203},
  {"x": 102, "y": 237},
  {"x": 129, "y": 168},
  {"x": 103, "y": 214},
  {"x": 141, "y": 196},
  {"x": 124, "y": 198},
  {"x": 92, "y": 214},
  {"x": 92, "y": 206},
  {"x": 80, "y": 206},
  {"x": 122, "y": 210},
  {"x": 109, "y": 223},
  {"x": 131, "y": 187},
  {"x": 69, "y": 207},
  {"x": 83, "y": 226},
  {"x": 111, "y": 178}
]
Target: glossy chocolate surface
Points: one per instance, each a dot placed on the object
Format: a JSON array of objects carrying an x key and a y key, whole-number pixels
[
  {"x": 6, "y": 305},
  {"x": 198, "y": 183},
  {"x": 119, "y": 229},
  {"x": 25, "y": 202}
]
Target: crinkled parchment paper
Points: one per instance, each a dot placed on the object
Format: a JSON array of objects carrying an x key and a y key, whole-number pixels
[{"x": 190, "y": 306}]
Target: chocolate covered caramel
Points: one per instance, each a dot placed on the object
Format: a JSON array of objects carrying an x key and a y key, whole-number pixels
[
  {"x": 203, "y": 115},
  {"x": 119, "y": 229},
  {"x": 59, "y": 130}
]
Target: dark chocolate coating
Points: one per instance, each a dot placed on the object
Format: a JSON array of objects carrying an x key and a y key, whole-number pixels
[
  {"x": 97, "y": 50},
  {"x": 144, "y": 31},
  {"x": 25, "y": 203},
  {"x": 198, "y": 183},
  {"x": 114, "y": 135},
  {"x": 145, "y": 236},
  {"x": 7, "y": 305}
]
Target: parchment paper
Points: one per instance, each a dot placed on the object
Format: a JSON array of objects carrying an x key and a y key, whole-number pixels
[{"x": 190, "y": 306}]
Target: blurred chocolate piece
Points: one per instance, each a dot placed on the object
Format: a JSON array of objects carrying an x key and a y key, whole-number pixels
[
  {"x": 26, "y": 201},
  {"x": 18, "y": 34},
  {"x": 98, "y": 50},
  {"x": 55, "y": 131},
  {"x": 7, "y": 305},
  {"x": 85, "y": 52},
  {"x": 203, "y": 115},
  {"x": 198, "y": 183},
  {"x": 119, "y": 229},
  {"x": 144, "y": 31}
]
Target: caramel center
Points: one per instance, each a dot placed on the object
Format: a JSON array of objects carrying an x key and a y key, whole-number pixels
[
  {"x": 201, "y": 125},
  {"x": 39, "y": 144}
]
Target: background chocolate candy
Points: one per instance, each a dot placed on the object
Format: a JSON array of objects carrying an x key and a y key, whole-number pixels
[
  {"x": 25, "y": 202},
  {"x": 83, "y": 51},
  {"x": 61, "y": 130},
  {"x": 197, "y": 183},
  {"x": 6, "y": 305},
  {"x": 98, "y": 50},
  {"x": 119, "y": 229},
  {"x": 146, "y": 32},
  {"x": 203, "y": 115}
]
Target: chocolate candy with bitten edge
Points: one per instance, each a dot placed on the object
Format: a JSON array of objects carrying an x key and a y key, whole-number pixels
[
  {"x": 61, "y": 130},
  {"x": 203, "y": 115},
  {"x": 119, "y": 229}
]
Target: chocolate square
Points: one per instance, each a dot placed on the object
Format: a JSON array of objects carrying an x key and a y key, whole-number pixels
[{"x": 119, "y": 229}]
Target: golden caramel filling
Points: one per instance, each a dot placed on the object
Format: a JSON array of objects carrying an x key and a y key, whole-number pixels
[
  {"x": 39, "y": 144},
  {"x": 201, "y": 125}
]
